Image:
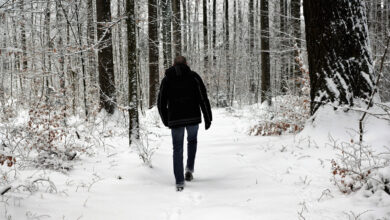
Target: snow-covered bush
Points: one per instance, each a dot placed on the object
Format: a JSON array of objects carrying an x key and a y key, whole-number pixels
[
  {"x": 47, "y": 133},
  {"x": 287, "y": 115},
  {"x": 145, "y": 147},
  {"x": 289, "y": 112},
  {"x": 39, "y": 136},
  {"x": 359, "y": 167},
  {"x": 380, "y": 181}
]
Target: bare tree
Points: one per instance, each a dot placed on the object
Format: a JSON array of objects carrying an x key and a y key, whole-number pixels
[
  {"x": 265, "y": 57},
  {"x": 205, "y": 36},
  {"x": 251, "y": 21},
  {"x": 176, "y": 16},
  {"x": 166, "y": 29},
  {"x": 132, "y": 70},
  {"x": 296, "y": 26},
  {"x": 105, "y": 57},
  {"x": 153, "y": 53}
]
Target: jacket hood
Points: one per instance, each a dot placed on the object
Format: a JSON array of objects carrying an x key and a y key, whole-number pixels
[{"x": 178, "y": 70}]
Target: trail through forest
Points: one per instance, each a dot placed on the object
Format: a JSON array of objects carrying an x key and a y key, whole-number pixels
[{"x": 236, "y": 177}]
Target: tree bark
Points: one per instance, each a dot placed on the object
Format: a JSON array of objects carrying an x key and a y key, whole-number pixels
[
  {"x": 105, "y": 57},
  {"x": 205, "y": 36},
  {"x": 251, "y": 18},
  {"x": 265, "y": 58},
  {"x": 176, "y": 26},
  {"x": 296, "y": 26},
  {"x": 91, "y": 41},
  {"x": 153, "y": 52},
  {"x": 282, "y": 46},
  {"x": 185, "y": 28},
  {"x": 214, "y": 27},
  {"x": 166, "y": 29},
  {"x": 132, "y": 70},
  {"x": 227, "y": 57},
  {"x": 340, "y": 63}
]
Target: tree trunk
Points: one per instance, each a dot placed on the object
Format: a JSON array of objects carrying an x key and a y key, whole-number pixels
[
  {"x": 185, "y": 26},
  {"x": 23, "y": 36},
  {"x": 283, "y": 34},
  {"x": 166, "y": 29},
  {"x": 82, "y": 59},
  {"x": 234, "y": 52},
  {"x": 340, "y": 64},
  {"x": 227, "y": 38},
  {"x": 91, "y": 41},
  {"x": 47, "y": 66},
  {"x": 132, "y": 70},
  {"x": 214, "y": 28},
  {"x": 176, "y": 27},
  {"x": 153, "y": 52},
  {"x": 105, "y": 57},
  {"x": 205, "y": 37},
  {"x": 296, "y": 26},
  {"x": 265, "y": 58},
  {"x": 251, "y": 18}
]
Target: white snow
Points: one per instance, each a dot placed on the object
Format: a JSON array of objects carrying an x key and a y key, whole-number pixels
[{"x": 236, "y": 177}]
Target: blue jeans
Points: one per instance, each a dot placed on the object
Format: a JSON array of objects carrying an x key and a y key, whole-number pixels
[{"x": 177, "y": 140}]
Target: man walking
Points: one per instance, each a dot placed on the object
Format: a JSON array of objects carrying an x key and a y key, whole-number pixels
[{"x": 181, "y": 98}]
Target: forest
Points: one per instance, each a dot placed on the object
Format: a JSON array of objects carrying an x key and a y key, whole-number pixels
[{"x": 299, "y": 92}]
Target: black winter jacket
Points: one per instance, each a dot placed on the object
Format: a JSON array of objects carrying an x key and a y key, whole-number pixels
[{"x": 182, "y": 95}]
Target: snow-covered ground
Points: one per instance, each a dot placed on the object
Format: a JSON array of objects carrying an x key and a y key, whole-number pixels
[{"x": 237, "y": 176}]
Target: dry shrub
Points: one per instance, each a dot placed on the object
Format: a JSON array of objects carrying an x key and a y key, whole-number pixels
[
  {"x": 289, "y": 112},
  {"x": 274, "y": 128},
  {"x": 7, "y": 160},
  {"x": 48, "y": 134},
  {"x": 359, "y": 167}
]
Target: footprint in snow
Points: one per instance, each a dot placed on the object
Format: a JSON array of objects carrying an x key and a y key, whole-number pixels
[
  {"x": 174, "y": 214},
  {"x": 194, "y": 197}
]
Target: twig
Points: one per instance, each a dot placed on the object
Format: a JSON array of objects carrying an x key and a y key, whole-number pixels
[
  {"x": 5, "y": 190},
  {"x": 373, "y": 92},
  {"x": 29, "y": 187}
]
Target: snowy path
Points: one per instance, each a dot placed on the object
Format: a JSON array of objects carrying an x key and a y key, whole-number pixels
[{"x": 236, "y": 177}]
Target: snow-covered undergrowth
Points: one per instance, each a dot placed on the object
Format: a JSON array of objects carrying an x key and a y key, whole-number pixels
[
  {"x": 358, "y": 166},
  {"x": 237, "y": 176},
  {"x": 287, "y": 115}
]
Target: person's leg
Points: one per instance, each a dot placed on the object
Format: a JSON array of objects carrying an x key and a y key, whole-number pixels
[
  {"x": 177, "y": 141},
  {"x": 192, "y": 141}
]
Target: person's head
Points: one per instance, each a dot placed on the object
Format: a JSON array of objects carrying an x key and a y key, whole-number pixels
[{"x": 180, "y": 60}]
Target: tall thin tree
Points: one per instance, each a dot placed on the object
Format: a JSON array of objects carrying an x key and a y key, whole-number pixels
[
  {"x": 227, "y": 57},
  {"x": 296, "y": 26},
  {"x": 176, "y": 24},
  {"x": 166, "y": 32},
  {"x": 153, "y": 52},
  {"x": 282, "y": 45},
  {"x": 132, "y": 70},
  {"x": 105, "y": 57},
  {"x": 265, "y": 57},
  {"x": 91, "y": 41},
  {"x": 251, "y": 21},
  {"x": 205, "y": 36},
  {"x": 214, "y": 28}
]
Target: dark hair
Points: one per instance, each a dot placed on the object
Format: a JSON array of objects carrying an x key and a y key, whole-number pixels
[{"x": 180, "y": 60}]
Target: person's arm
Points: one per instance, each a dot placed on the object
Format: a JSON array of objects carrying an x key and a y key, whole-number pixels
[
  {"x": 204, "y": 102},
  {"x": 162, "y": 102}
]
